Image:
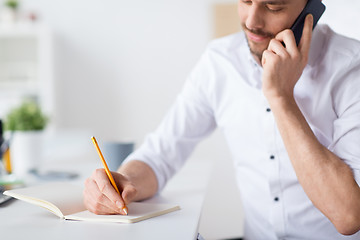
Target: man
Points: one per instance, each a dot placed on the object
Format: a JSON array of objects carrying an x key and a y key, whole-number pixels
[{"x": 290, "y": 114}]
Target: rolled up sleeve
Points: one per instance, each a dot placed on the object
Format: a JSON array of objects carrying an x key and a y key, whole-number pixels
[
  {"x": 346, "y": 134},
  {"x": 189, "y": 120}
]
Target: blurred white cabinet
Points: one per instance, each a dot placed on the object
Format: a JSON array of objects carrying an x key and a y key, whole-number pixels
[{"x": 26, "y": 68}]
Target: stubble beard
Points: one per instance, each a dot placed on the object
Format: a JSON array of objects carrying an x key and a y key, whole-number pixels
[{"x": 255, "y": 48}]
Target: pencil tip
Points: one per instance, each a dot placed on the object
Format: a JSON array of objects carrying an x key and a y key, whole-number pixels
[{"x": 125, "y": 210}]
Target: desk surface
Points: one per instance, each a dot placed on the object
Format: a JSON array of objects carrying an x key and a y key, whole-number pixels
[{"x": 20, "y": 220}]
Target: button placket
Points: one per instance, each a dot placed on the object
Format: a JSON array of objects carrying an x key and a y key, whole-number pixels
[{"x": 276, "y": 205}]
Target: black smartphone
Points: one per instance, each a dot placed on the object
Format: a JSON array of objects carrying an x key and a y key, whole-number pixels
[{"x": 316, "y": 8}]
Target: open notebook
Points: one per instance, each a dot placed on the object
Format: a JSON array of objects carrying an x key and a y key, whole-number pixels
[{"x": 65, "y": 200}]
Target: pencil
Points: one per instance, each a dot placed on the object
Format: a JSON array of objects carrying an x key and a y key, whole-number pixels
[
  {"x": 6, "y": 156},
  {"x": 108, "y": 173}
]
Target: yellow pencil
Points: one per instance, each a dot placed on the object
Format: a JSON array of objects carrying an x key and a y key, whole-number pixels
[
  {"x": 7, "y": 161},
  {"x": 108, "y": 173}
]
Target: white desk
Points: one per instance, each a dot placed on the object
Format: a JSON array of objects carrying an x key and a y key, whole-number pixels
[{"x": 20, "y": 220}]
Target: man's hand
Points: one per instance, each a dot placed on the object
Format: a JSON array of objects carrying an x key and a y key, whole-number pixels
[
  {"x": 283, "y": 66},
  {"x": 100, "y": 197},
  {"x": 135, "y": 180}
]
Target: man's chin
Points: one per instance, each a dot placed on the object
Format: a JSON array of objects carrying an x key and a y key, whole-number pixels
[
  {"x": 258, "y": 40},
  {"x": 256, "y": 49}
]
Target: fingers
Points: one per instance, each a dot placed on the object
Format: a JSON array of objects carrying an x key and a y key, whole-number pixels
[
  {"x": 284, "y": 44},
  {"x": 267, "y": 57},
  {"x": 278, "y": 48},
  {"x": 305, "y": 42},
  {"x": 100, "y": 197},
  {"x": 97, "y": 202},
  {"x": 106, "y": 188},
  {"x": 274, "y": 53},
  {"x": 288, "y": 38}
]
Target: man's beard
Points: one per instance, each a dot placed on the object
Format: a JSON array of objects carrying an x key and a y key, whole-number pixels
[{"x": 254, "y": 48}]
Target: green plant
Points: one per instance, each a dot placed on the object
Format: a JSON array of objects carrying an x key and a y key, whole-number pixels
[
  {"x": 14, "y": 4},
  {"x": 26, "y": 117}
]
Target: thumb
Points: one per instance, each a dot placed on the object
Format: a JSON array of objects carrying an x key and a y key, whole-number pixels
[
  {"x": 305, "y": 41},
  {"x": 129, "y": 193}
]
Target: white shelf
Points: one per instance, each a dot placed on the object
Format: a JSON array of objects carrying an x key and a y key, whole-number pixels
[
  {"x": 18, "y": 72},
  {"x": 22, "y": 30},
  {"x": 25, "y": 66}
]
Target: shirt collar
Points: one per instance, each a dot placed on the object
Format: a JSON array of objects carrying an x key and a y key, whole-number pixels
[{"x": 249, "y": 55}]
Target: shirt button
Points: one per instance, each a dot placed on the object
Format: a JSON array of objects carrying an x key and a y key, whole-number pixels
[
  {"x": 272, "y": 157},
  {"x": 268, "y": 110},
  {"x": 276, "y": 199}
]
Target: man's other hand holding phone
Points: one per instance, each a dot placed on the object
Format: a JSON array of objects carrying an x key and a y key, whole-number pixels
[{"x": 283, "y": 65}]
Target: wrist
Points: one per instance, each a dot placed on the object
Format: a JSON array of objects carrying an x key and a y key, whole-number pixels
[
  {"x": 281, "y": 102},
  {"x": 277, "y": 93}
]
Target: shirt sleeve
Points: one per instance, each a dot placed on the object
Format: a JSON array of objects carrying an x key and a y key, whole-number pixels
[
  {"x": 346, "y": 135},
  {"x": 189, "y": 120}
]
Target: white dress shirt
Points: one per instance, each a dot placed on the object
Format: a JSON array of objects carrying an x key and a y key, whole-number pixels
[{"x": 224, "y": 91}]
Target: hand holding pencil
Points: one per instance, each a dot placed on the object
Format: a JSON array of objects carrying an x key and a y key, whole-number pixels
[{"x": 107, "y": 192}]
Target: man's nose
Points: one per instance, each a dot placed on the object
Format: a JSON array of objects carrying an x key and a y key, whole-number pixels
[{"x": 255, "y": 18}]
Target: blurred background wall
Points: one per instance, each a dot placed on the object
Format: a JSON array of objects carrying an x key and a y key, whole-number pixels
[{"x": 117, "y": 66}]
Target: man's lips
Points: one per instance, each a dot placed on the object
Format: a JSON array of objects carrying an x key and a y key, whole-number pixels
[{"x": 256, "y": 38}]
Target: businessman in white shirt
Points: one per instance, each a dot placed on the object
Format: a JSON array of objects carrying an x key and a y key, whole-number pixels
[{"x": 290, "y": 115}]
